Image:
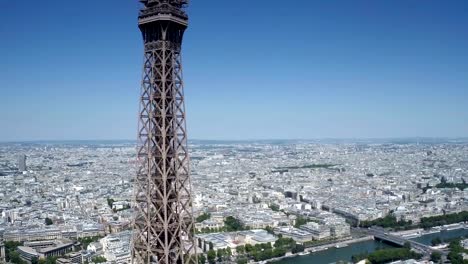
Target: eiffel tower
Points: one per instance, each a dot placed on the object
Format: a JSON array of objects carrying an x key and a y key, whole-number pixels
[{"x": 163, "y": 223}]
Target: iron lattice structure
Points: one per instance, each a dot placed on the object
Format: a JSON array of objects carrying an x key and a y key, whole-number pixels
[{"x": 163, "y": 222}]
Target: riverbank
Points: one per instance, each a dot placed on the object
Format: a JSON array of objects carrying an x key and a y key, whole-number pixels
[
  {"x": 415, "y": 233},
  {"x": 338, "y": 244},
  {"x": 444, "y": 235},
  {"x": 333, "y": 255},
  {"x": 335, "y": 244}
]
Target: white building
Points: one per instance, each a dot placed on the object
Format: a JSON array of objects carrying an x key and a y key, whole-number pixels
[{"x": 318, "y": 231}]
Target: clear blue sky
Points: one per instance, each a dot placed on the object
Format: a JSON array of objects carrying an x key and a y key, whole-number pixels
[{"x": 253, "y": 69}]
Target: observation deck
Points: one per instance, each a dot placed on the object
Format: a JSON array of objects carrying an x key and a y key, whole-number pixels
[{"x": 163, "y": 10}]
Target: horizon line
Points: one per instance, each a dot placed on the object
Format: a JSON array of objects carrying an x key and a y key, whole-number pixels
[{"x": 252, "y": 139}]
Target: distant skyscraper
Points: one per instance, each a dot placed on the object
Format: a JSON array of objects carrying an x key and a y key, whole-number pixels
[
  {"x": 163, "y": 224},
  {"x": 22, "y": 163}
]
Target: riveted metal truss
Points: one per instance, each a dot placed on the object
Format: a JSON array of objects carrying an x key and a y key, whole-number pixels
[{"x": 163, "y": 222}]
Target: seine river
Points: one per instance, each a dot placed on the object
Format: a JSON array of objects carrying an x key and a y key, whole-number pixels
[
  {"x": 450, "y": 234},
  {"x": 333, "y": 255}
]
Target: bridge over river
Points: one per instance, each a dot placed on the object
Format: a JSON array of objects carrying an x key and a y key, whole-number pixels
[{"x": 381, "y": 234}]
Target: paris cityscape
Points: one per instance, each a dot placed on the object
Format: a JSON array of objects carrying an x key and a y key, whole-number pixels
[
  {"x": 324, "y": 132},
  {"x": 66, "y": 192}
]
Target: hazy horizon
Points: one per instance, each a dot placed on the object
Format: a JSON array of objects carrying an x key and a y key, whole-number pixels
[{"x": 387, "y": 139}]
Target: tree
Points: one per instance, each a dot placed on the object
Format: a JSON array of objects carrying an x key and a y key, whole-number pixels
[
  {"x": 389, "y": 221},
  {"x": 15, "y": 258},
  {"x": 269, "y": 229},
  {"x": 203, "y": 217},
  {"x": 34, "y": 260},
  {"x": 248, "y": 248},
  {"x": 267, "y": 254},
  {"x": 428, "y": 222},
  {"x": 211, "y": 256},
  {"x": 456, "y": 249},
  {"x": 233, "y": 224},
  {"x": 211, "y": 246},
  {"x": 274, "y": 207},
  {"x": 49, "y": 260},
  {"x": 240, "y": 250},
  {"x": 279, "y": 252},
  {"x": 99, "y": 259},
  {"x": 110, "y": 202},
  {"x": 436, "y": 257},
  {"x": 285, "y": 243},
  {"x": 48, "y": 221},
  {"x": 201, "y": 259},
  {"x": 259, "y": 247},
  {"x": 220, "y": 254},
  {"x": 300, "y": 221},
  {"x": 262, "y": 255},
  {"x": 298, "y": 248},
  {"x": 10, "y": 246},
  {"x": 388, "y": 255},
  {"x": 85, "y": 241},
  {"x": 200, "y": 243}
]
